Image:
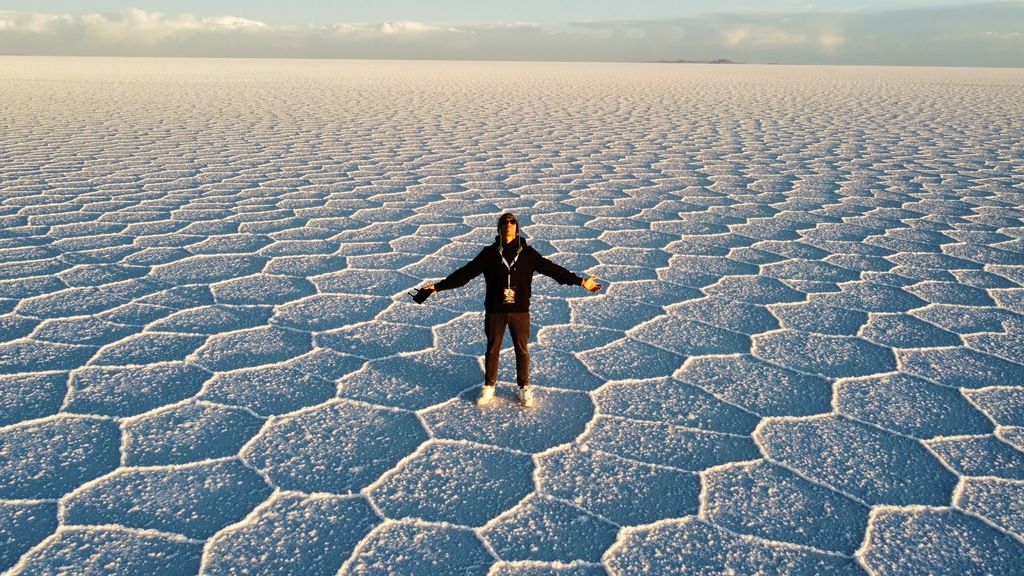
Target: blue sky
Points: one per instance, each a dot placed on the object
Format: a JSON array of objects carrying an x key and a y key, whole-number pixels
[{"x": 913, "y": 32}]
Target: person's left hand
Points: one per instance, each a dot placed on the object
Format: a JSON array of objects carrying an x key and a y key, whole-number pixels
[{"x": 591, "y": 284}]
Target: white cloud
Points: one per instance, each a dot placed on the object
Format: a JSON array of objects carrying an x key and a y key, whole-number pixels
[
  {"x": 407, "y": 27},
  {"x": 131, "y": 26},
  {"x": 234, "y": 23},
  {"x": 32, "y": 22},
  {"x": 830, "y": 41},
  {"x": 761, "y": 36},
  {"x": 1002, "y": 35}
]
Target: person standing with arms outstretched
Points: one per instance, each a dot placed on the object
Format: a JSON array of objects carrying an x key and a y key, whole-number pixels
[{"x": 508, "y": 266}]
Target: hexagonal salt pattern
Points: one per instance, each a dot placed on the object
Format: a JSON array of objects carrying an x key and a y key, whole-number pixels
[{"x": 806, "y": 359}]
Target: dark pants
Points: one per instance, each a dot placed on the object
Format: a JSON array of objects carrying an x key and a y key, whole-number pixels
[{"x": 494, "y": 328}]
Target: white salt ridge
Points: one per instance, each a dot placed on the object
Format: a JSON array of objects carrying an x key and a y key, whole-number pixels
[{"x": 208, "y": 359}]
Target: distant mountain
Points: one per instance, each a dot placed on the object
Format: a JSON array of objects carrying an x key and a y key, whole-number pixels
[{"x": 718, "y": 61}]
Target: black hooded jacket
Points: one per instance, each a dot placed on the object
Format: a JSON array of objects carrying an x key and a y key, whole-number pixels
[{"x": 491, "y": 263}]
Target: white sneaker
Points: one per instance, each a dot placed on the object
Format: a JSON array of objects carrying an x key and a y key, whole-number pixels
[
  {"x": 526, "y": 397},
  {"x": 486, "y": 395}
]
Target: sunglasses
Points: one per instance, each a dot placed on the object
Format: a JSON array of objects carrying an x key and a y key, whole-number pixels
[{"x": 507, "y": 221}]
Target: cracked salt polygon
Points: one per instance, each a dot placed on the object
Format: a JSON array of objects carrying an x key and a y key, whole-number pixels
[
  {"x": 71, "y": 302},
  {"x": 454, "y": 482},
  {"x": 300, "y": 248},
  {"x": 419, "y": 548},
  {"x": 89, "y": 551},
  {"x": 1004, "y": 405},
  {"x": 629, "y": 358},
  {"x": 304, "y": 266},
  {"x": 726, "y": 313},
  {"x": 22, "y": 526},
  {"x": 689, "y": 338},
  {"x": 818, "y": 317},
  {"x": 965, "y": 319},
  {"x": 754, "y": 255},
  {"x": 951, "y": 293},
  {"x": 905, "y": 331},
  {"x": 644, "y": 257},
  {"x": 37, "y": 287},
  {"x": 557, "y": 418},
  {"x": 545, "y": 310},
  {"x": 307, "y": 535},
  {"x": 576, "y": 337},
  {"x": 672, "y": 401},
  {"x": 420, "y": 244},
  {"x": 131, "y": 390},
  {"x": 618, "y": 273},
  {"x": 877, "y": 467},
  {"x": 33, "y": 355},
  {"x": 715, "y": 265},
  {"x": 980, "y": 456},
  {"x": 871, "y": 297},
  {"x": 207, "y": 269},
  {"x": 194, "y": 500},
  {"x": 1012, "y": 435},
  {"x": 1008, "y": 346},
  {"x": 148, "y": 347},
  {"x": 13, "y": 270},
  {"x": 986, "y": 255},
  {"x": 688, "y": 278},
  {"x": 251, "y": 347},
  {"x": 262, "y": 289},
  {"x": 982, "y": 279},
  {"x": 135, "y": 314},
  {"x": 610, "y": 312},
  {"x": 542, "y": 529},
  {"x": 961, "y": 367},
  {"x": 213, "y": 319},
  {"x": 99, "y": 274},
  {"x": 465, "y": 335},
  {"x": 666, "y": 444},
  {"x": 998, "y": 500},
  {"x": 916, "y": 277},
  {"x": 551, "y": 368},
  {"x": 1011, "y": 299},
  {"x": 50, "y": 457},
  {"x": 268, "y": 390},
  {"x": 692, "y": 546},
  {"x": 862, "y": 258},
  {"x": 909, "y": 405},
  {"x": 768, "y": 501},
  {"x": 340, "y": 447},
  {"x": 377, "y": 339},
  {"x": 187, "y": 433},
  {"x": 412, "y": 382},
  {"x": 620, "y": 490},
  {"x": 831, "y": 356},
  {"x": 435, "y": 266},
  {"x": 937, "y": 540},
  {"x": 86, "y": 330},
  {"x": 408, "y": 312},
  {"x": 180, "y": 297},
  {"x": 328, "y": 311},
  {"x": 391, "y": 261},
  {"x": 653, "y": 292},
  {"x": 30, "y": 396}
]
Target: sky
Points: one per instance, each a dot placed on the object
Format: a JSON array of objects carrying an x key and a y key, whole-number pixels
[{"x": 871, "y": 32}]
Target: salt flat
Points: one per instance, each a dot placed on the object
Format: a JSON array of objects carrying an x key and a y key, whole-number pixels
[{"x": 808, "y": 358}]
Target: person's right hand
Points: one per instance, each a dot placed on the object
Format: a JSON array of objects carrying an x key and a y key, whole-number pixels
[{"x": 429, "y": 287}]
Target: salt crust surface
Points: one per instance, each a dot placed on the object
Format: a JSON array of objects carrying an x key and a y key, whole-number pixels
[{"x": 807, "y": 359}]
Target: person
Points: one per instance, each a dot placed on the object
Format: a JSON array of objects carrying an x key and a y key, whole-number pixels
[{"x": 508, "y": 266}]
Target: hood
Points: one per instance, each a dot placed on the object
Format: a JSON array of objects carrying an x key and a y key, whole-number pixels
[{"x": 519, "y": 237}]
